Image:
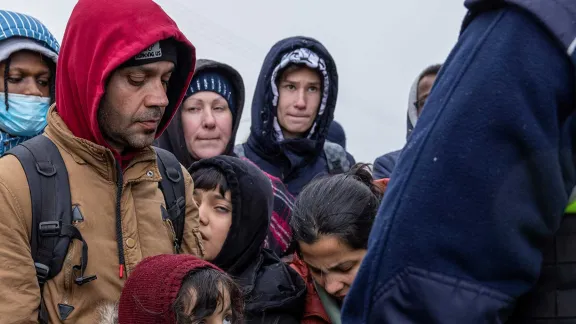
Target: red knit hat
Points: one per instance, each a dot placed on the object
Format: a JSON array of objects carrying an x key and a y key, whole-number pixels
[{"x": 151, "y": 289}]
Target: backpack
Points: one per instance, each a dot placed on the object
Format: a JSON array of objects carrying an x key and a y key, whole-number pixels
[
  {"x": 336, "y": 157},
  {"x": 53, "y": 213}
]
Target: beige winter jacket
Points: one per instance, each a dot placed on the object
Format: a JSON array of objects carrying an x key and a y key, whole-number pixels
[{"x": 93, "y": 177}]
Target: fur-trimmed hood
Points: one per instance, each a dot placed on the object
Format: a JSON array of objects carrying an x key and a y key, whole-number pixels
[{"x": 108, "y": 314}]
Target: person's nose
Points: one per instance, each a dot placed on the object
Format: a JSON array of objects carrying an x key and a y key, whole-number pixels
[
  {"x": 31, "y": 87},
  {"x": 156, "y": 96},
  {"x": 300, "y": 100},
  {"x": 208, "y": 120},
  {"x": 332, "y": 284}
]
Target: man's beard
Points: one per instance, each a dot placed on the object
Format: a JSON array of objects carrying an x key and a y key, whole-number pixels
[{"x": 119, "y": 135}]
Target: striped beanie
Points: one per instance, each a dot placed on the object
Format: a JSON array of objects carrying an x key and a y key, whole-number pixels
[
  {"x": 215, "y": 82},
  {"x": 22, "y": 32}
]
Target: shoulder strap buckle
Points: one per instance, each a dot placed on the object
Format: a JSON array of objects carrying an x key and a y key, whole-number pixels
[
  {"x": 42, "y": 272},
  {"x": 176, "y": 209},
  {"x": 49, "y": 229}
]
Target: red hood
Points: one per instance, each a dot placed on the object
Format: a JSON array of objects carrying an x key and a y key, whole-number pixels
[
  {"x": 99, "y": 37},
  {"x": 152, "y": 288}
]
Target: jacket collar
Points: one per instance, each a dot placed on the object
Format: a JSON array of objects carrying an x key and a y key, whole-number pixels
[{"x": 98, "y": 157}]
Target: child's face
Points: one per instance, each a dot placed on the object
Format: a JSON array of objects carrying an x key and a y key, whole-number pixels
[
  {"x": 222, "y": 314},
  {"x": 215, "y": 219}
]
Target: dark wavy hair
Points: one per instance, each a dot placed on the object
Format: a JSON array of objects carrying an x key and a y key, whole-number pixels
[
  {"x": 342, "y": 206},
  {"x": 205, "y": 289}
]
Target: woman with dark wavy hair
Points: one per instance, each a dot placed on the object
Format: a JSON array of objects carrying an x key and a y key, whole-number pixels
[{"x": 331, "y": 222}]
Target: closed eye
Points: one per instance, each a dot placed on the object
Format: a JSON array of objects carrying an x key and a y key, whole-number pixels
[{"x": 137, "y": 82}]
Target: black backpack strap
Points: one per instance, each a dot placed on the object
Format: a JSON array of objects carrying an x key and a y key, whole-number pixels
[
  {"x": 52, "y": 228},
  {"x": 336, "y": 158},
  {"x": 174, "y": 190},
  {"x": 50, "y": 197}
]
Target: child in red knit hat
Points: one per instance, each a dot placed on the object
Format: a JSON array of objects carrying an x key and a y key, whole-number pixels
[{"x": 176, "y": 289}]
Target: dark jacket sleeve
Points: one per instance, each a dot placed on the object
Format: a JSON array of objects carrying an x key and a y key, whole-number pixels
[
  {"x": 481, "y": 185},
  {"x": 384, "y": 165}
]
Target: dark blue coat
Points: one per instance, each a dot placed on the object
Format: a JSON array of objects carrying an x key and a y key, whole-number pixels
[
  {"x": 297, "y": 161},
  {"x": 482, "y": 184}
]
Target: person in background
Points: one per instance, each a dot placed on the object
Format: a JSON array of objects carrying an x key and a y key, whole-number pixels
[
  {"x": 419, "y": 92},
  {"x": 235, "y": 201},
  {"x": 331, "y": 223},
  {"x": 292, "y": 110},
  {"x": 176, "y": 289},
  {"x": 120, "y": 79},
  {"x": 28, "y": 57},
  {"x": 477, "y": 224},
  {"x": 336, "y": 134},
  {"x": 206, "y": 126}
]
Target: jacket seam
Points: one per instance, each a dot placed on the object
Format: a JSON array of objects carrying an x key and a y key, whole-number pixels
[
  {"x": 19, "y": 211},
  {"x": 417, "y": 272}
]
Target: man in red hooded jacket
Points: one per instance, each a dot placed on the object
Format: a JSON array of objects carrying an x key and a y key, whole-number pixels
[{"x": 122, "y": 72}]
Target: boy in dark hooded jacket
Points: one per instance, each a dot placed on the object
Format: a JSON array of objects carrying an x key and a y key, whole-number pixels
[
  {"x": 292, "y": 110},
  {"x": 235, "y": 201}
]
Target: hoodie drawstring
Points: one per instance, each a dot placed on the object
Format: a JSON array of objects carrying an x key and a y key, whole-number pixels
[{"x": 119, "y": 236}]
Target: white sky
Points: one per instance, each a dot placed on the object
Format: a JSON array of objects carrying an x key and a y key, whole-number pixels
[{"x": 379, "y": 46}]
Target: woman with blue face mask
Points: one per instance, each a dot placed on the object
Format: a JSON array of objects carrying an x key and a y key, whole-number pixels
[{"x": 28, "y": 55}]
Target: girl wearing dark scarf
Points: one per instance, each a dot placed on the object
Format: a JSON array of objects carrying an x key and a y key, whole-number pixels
[
  {"x": 206, "y": 127},
  {"x": 235, "y": 202}
]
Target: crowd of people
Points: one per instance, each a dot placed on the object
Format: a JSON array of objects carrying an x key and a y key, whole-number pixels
[{"x": 127, "y": 200}]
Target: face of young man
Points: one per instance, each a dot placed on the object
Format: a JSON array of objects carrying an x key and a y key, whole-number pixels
[
  {"x": 28, "y": 74},
  {"x": 300, "y": 94}
]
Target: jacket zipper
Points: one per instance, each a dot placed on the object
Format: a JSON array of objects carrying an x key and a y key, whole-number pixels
[{"x": 119, "y": 236}]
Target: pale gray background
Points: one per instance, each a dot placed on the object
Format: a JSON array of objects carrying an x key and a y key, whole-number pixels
[{"x": 379, "y": 47}]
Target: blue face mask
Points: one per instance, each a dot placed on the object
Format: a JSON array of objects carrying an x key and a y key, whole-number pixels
[{"x": 25, "y": 116}]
